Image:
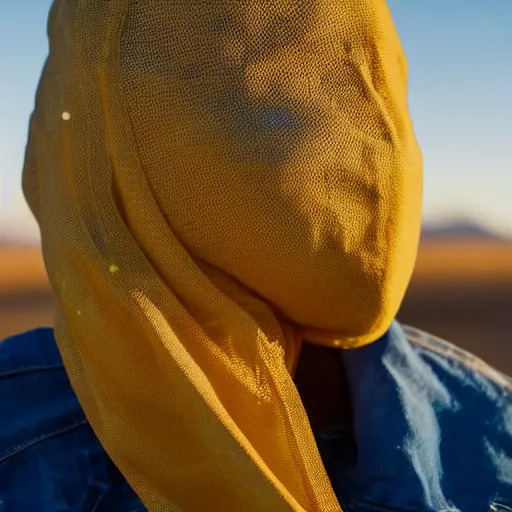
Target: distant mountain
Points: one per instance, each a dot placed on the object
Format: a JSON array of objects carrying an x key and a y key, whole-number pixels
[{"x": 459, "y": 230}]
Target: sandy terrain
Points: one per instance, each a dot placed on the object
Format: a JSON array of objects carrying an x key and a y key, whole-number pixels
[{"x": 460, "y": 291}]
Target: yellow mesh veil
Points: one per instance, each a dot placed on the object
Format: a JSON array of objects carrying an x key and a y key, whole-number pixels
[{"x": 216, "y": 182}]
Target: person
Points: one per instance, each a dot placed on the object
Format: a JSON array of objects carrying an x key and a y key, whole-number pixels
[{"x": 229, "y": 200}]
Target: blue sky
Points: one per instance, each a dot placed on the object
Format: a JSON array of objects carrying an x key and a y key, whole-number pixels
[{"x": 459, "y": 54}]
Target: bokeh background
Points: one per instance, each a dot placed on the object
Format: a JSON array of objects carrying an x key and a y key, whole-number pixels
[{"x": 461, "y": 104}]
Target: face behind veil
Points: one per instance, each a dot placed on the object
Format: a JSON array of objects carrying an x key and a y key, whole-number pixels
[{"x": 216, "y": 182}]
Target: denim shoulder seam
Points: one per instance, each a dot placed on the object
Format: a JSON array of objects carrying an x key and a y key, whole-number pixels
[
  {"x": 33, "y": 369},
  {"x": 458, "y": 355},
  {"x": 32, "y": 442}
]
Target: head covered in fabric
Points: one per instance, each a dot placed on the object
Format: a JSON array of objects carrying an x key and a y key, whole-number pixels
[{"x": 215, "y": 183}]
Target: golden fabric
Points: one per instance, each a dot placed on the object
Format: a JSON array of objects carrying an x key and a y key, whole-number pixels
[{"x": 216, "y": 182}]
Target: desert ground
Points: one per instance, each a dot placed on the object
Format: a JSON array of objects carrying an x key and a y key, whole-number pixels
[{"x": 460, "y": 291}]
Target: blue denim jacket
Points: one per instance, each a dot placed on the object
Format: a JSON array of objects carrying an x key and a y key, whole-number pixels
[{"x": 431, "y": 430}]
